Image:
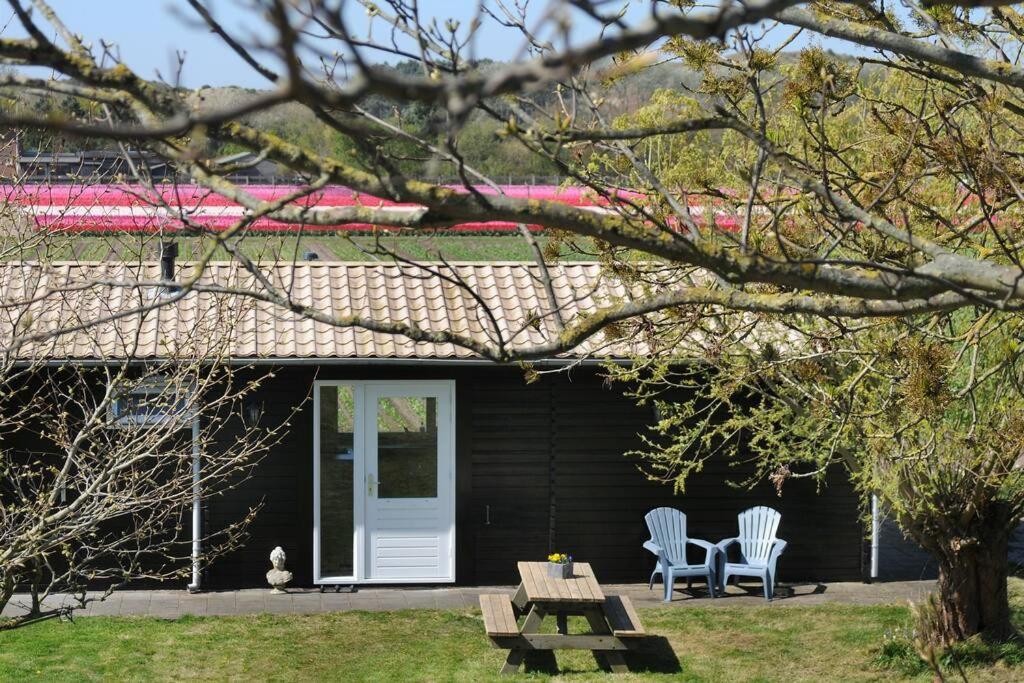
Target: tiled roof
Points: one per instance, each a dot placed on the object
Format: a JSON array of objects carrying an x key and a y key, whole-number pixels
[{"x": 104, "y": 298}]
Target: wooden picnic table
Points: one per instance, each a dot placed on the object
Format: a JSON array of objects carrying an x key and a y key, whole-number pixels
[{"x": 611, "y": 618}]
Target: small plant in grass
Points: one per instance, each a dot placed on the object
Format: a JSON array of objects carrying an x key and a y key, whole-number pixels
[
  {"x": 908, "y": 651},
  {"x": 897, "y": 652}
]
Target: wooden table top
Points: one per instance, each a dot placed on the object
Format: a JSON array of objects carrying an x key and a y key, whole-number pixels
[{"x": 581, "y": 587}]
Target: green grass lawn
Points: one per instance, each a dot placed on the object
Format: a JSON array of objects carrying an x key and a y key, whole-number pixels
[{"x": 821, "y": 643}]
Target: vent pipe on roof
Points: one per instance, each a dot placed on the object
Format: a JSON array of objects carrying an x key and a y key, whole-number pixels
[{"x": 168, "y": 252}]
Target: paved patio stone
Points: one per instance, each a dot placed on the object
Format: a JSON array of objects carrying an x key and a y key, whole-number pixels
[
  {"x": 282, "y": 604},
  {"x": 111, "y": 607},
  {"x": 366, "y": 602},
  {"x": 221, "y": 605},
  {"x": 162, "y": 604},
  {"x": 196, "y": 605},
  {"x": 135, "y": 603},
  {"x": 250, "y": 605},
  {"x": 396, "y": 601},
  {"x": 330, "y": 602},
  {"x": 421, "y": 600},
  {"x": 170, "y": 604}
]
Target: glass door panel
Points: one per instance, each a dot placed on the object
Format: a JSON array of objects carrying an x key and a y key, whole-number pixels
[
  {"x": 337, "y": 480},
  {"x": 407, "y": 447}
]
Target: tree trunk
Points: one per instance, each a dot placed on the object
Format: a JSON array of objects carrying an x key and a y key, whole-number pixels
[
  {"x": 6, "y": 588},
  {"x": 972, "y": 596}
]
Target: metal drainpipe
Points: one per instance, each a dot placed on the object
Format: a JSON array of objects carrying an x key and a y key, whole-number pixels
[
  {"x": 875, "y": 523},
  {"x": 197, "y": 527}
]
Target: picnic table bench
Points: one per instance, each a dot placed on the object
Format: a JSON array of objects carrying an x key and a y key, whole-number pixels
[{"x": 611, "y": 618}]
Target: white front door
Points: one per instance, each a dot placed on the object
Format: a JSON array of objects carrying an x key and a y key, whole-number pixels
[
  {"x": 410, "y": 513},
  {"x": 384, "y": 478}
]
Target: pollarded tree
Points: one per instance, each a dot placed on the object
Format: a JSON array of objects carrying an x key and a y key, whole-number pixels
[{"x": 927, "y": 414}]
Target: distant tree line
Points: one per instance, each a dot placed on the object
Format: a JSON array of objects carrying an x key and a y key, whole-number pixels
[{"x": 482, "y": 142}]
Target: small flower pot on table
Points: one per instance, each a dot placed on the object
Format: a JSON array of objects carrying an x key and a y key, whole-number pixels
[{"x": 560, "y": 570}]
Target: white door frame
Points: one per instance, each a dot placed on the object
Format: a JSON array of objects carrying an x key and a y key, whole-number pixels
[{"x": 446, "y": 448}]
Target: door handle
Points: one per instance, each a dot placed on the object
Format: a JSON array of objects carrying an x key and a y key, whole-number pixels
[{"x": 371, "y": 483}]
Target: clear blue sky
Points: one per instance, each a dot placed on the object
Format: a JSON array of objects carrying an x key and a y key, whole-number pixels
[{"x": 147, "y": 32}]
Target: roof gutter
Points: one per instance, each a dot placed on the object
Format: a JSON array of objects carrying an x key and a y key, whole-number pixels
[{"x": 286, "y": 361}]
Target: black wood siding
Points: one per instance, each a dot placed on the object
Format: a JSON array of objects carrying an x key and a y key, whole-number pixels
[
  {"x": 597, "y": 497},
  {"x": 540, "y": 468},
  {"x": 281, "y": 487}
]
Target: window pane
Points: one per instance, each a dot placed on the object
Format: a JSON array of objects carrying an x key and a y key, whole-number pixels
[
  {"x": 407, "y": 447},
  {"x": 337, "y": 419}
]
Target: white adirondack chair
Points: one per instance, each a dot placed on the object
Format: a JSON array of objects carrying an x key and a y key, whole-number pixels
[
  {"x": 759, "y": 548},
  {"x": 668, "y": 541}
]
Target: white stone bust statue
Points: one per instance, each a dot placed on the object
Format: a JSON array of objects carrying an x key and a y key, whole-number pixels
[{"x": 278, "y": 577}]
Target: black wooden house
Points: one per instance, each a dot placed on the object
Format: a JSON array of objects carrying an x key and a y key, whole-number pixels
[{"x": 416, "y": 462}]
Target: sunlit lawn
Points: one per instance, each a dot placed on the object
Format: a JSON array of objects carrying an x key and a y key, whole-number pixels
[{"x": 821, "y": 643}]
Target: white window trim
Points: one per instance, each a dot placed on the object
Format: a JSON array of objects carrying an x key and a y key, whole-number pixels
[{"x": 149, "y": 386}]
